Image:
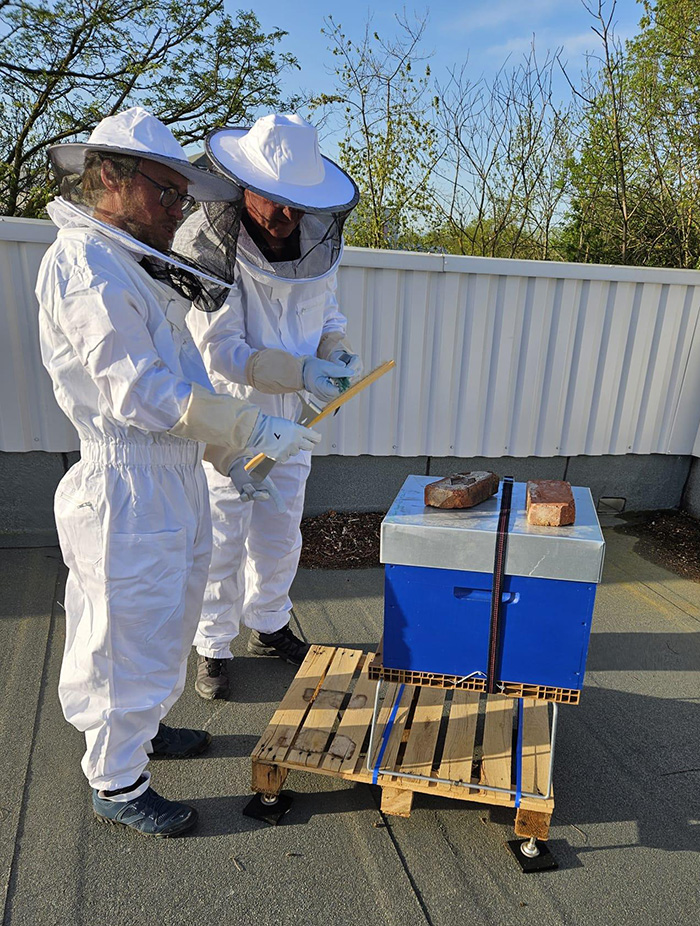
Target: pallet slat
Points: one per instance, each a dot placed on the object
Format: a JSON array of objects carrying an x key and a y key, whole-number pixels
[
  {"x": 458, "y": 753},
  {"x": 344, "y": 753},
  {"x": 405, "y": 695},
  {"x": 496, "y": 762},
  {"x": 274, "y": 744},
  {"x": 536, "y": 748},
  {"x": 425, "y": 727},
  {"x": 310, "y": 743}
]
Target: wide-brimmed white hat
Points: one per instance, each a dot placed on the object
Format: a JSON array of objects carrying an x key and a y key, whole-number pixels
[
  {"x": 137, "y": 133},
  {"x": 279, "y": 158}
]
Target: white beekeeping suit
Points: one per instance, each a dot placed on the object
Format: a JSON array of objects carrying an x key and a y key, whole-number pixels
[
  {"x": 133, "y": 514},
  {"x": 280, "y": 331}
]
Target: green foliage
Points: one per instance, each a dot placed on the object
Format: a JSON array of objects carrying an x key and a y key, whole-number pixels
[
  {"x": 488, "y": 237},
  {"x": 468, "y": 168},
  {"x": 465, "y": 168},
  {"x": 66, "y": 64},
  {"x": 504, "y": 171},
  {"x": 636, "y": 196},
  {"x": 498, "y": 169},
  {"x": 389, "y": 144}
]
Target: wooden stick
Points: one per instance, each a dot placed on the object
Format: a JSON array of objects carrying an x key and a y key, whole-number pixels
[{"x": 361, "y": 384}]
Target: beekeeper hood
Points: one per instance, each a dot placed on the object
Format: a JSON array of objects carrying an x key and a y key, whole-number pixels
[
  {"x": 137, "y": 133},
  {"x": 279, "y": 159}
]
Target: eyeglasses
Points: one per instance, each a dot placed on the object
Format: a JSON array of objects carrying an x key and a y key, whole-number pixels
[{"x": 169, "y": 195}]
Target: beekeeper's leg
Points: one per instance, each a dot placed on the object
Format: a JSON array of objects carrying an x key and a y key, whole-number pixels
[
  {"x": 274, "y": 548},
  {"x": 128, "y": 536},
  {"x": 225, "y": 588},
  {"x": 223, "y": 597},
  {"x": 196, "y": 585}
]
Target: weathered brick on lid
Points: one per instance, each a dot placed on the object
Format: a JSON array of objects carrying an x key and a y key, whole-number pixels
[
  {"x": 550, "y": 503},
  {"x": 461, "y": 490}
]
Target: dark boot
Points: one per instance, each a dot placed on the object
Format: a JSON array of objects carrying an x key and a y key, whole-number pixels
[
  {"x": 178, "y": 742},
  {"x": 212, "y": 678},
  {"x": 282, "y": 643}
]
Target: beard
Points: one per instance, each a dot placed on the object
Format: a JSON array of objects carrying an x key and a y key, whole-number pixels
[
  {"x": 155, "y": 236},
  {"x": 147, "y": 222},
  {"x": 154, "y": 228}
]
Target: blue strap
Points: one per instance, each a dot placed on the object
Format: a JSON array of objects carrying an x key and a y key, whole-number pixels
[
  {"x": 519, "y": 756},
  {"x": 387, "y": 733}
]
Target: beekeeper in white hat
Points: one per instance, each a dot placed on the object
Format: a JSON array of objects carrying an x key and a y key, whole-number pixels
[
  {"x": 281, "y": 332},
  {"x": 133, "y": 514}
]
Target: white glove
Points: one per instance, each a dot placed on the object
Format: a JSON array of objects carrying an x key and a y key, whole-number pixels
[
  {"x": 279, "y": 438},
  {"x": 320, "y": 377},
  {"x": 252, "y": 488},
  {"x": 353, "y": 364}
]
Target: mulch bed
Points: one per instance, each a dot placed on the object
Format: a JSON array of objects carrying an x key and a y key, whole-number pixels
[
  {"x": 670, "y": 539},
  {"x": 341, "y": 540}
]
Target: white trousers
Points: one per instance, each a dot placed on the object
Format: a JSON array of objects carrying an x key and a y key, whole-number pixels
[
  {"x": 134, "y": 527},
  {"x": 254, "y": 558}
]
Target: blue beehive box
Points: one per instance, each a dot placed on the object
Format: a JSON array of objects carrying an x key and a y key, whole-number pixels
[{"x": 438, "y": 580}]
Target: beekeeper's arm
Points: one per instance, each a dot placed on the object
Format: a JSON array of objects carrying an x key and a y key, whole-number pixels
[
  {"x": 220, "y": 337},
  {"x": 105, "y": 323}
]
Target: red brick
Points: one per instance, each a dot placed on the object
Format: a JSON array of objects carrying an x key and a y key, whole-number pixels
[
  {"x": 461, "y": 490},
  {"x": 550, "y": 503}
]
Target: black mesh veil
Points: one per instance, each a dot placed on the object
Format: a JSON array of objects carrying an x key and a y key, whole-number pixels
[
  {"x": 320, "y": 238},
  {"x": 207, "y": 241}
]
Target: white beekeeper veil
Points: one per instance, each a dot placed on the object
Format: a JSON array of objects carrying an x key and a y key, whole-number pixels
[
  {"x": 137, "y": 134},
  {"x": 279, "y": 159}
]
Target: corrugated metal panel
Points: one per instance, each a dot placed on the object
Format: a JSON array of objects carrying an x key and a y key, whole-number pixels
[
  {"x": 684, "y": 423},
  {"x": 495, "y": 357},
  {"x": 29, "y": 418},
  {"x": 534, "y": 359}
]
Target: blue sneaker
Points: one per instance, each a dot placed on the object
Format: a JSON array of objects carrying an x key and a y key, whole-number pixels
[
  {"x": 178, "y": 742},
  {"x": 148, "y": 814}
]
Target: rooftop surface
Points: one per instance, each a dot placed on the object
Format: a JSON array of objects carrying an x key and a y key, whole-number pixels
[{"x": 625, "y": 829}]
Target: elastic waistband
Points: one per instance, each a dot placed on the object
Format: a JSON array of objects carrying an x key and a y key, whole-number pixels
[{"x": 115, "y": 453}]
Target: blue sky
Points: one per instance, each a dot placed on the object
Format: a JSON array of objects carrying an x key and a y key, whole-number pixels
[{"x": 484, "y": 32}]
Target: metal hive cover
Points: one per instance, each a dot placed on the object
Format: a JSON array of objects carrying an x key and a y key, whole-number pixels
[{"x": 415, "y": 535}]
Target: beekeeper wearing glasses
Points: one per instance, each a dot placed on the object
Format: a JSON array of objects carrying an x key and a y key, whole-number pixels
[
  {"x": 133, "y": 514},
  {"x": 280, "y": 335}
]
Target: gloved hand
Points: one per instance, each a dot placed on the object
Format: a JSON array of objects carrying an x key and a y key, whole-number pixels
[
  {"x": 252, "y": 488},
  {"x": 353, "y": 364},
  {"x": 320, "y": 377},
  {"x": 279, "y": 439}
]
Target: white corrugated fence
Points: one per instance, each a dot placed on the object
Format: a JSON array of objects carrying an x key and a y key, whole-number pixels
[{"x": 494, "y": 357}]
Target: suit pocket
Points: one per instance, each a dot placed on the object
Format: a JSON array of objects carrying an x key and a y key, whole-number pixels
[
  {"x": 310, "y": 315},
  {"x": 79, "y": 530},
  {"x": 146, "y": 578}
]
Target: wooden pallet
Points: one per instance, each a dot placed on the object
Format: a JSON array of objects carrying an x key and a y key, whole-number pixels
[
  {"x": 323, "y": 725},
  {"x": 436, "y": 680}
]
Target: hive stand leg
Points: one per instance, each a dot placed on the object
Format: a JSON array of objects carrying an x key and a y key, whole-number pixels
[
  {"x": 530, "y": 854},
  {"x": 268, "y": 779},
  {"x": 532, "y": 823},
  {"x": 396, "y": 801},
  {"x": 268, "y": 804}
]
